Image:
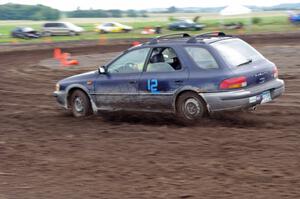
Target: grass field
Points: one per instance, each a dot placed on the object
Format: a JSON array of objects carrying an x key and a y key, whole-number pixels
[{"x": 269, "y": 22}]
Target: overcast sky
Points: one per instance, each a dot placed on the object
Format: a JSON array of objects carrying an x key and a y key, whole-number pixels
[{"x": 143, "y": 4}]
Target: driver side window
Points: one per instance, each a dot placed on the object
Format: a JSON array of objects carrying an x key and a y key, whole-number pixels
[{"x": 131, "y": 62}]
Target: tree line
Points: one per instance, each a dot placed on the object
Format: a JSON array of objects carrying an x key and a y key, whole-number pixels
[
  {"x": 28, "y": 12},
  {"x": 105, "y": 13},
  {"x": 40, "y": 12}
]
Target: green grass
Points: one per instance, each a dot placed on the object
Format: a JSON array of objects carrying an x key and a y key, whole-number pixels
[{"x": 270, "y": 22}]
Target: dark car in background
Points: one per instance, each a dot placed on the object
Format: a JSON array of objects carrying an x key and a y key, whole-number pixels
[
  {"x": 25, "y": 33},
  {"x": 185, "y": 25},
  {"x": 295, "y": 18}
]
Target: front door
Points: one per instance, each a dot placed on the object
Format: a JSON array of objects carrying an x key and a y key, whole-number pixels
[
  {"x": 163, "y": 76},
  {"x": 118, "y": 88}
]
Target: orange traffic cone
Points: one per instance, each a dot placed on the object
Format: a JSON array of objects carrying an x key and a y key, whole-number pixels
[
  {"x": 135, "y": 43},
  {"x": 102, "y": 40},
  {"x": 57, "y": 53},
  {"x": 65, "y": 60}
]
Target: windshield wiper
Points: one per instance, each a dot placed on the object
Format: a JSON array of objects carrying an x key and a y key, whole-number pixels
[{"x": 246, "y": 62}]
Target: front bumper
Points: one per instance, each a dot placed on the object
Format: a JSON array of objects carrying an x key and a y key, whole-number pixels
[
  {"x": 61, "y": 98},
  {"x": 243, "y": 98}
]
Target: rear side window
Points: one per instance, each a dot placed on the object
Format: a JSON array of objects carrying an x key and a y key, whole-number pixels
[
  {"x": 202, "y": 57},
  {"x": 47, "y": 25},
  {"x": 61, "y": 25}
]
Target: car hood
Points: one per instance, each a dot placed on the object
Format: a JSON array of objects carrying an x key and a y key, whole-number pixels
[
  {"x": 77, "y": 28},
  {"x": 80, "y": 78}
]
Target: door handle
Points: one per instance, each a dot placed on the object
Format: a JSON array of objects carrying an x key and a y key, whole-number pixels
[
  {"x": 178, "y": 81},
  {"x": 133, "y": 82}
]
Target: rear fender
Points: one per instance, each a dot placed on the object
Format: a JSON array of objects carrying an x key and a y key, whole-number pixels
[{"x": 199, "y": 91}]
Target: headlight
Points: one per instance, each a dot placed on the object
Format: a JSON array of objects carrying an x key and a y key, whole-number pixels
[{"x": 57, "y": 87}]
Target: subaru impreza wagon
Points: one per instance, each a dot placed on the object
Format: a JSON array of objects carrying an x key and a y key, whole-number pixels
[{"x": 189, "y": 76}]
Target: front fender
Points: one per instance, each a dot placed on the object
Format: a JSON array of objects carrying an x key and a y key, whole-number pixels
[{"x": 83, "y": 88}]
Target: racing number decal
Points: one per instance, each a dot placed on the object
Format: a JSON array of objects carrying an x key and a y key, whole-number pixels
[{"x": 152, "y": 86}]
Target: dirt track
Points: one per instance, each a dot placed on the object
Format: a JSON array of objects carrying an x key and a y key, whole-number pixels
[{"x": 46, "y": 153}]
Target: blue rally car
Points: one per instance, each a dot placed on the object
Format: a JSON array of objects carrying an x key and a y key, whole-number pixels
[{"x": 189, "y": 76}]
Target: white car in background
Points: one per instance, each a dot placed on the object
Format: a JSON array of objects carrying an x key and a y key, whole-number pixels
[
  {"x": 61, "y": 28},
  {"x": 113, "y": 27}
]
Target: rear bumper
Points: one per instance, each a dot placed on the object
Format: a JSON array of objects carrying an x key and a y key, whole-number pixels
[{"x": 244, "y": 98}]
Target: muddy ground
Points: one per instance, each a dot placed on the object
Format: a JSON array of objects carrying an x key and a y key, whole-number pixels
[{"x": 46, "y": 153}]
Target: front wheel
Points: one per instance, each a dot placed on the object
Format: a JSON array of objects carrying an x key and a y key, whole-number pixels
[
  {"x": 47, "y": 34},
  {"x": 190, "y": 108},
  {"x": 80, "y": 104},
  {"x": 126, "y": 30}
]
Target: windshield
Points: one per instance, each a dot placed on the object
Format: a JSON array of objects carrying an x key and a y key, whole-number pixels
[
  {"x": 237, "y": 52},
  {"x": 70, "y": 25},
  {"x": 27, "y": 29}
]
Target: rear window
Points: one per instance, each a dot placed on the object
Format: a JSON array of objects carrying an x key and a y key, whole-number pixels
[
  {"x": 202, "y": 57},
  {"x": 236, "y": 52}
]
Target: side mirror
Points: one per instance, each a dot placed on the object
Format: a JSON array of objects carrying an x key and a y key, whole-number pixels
[{"x": 102, "y": 70}]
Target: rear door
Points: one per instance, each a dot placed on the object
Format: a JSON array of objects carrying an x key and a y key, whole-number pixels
[
  {"x": 54, "y": 28},
  {"x": 63, "y": 29},
  {"x": 163, "y": 75}
]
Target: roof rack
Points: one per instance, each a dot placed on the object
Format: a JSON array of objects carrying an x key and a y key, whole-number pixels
[
  {"x": 169, "y": 36},
  {"x": 206, "y": 35}
]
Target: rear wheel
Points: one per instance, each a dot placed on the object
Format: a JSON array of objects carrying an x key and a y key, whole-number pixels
[
  {"x": 190, "y": 108},
  {"x": 80, "y": 104}
]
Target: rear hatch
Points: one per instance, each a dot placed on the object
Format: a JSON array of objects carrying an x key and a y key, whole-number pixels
[{"x": 245, "y": 63}]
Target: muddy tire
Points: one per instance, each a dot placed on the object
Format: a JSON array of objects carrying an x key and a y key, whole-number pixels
[
  {"x": 190, "y": 108},
  {"x": 80, "y": 104}
]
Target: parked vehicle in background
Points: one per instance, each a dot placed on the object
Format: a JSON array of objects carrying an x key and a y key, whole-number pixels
[
  {"x": 189, "y": 76},
  {"x": 113, "y": 27},
  {"x": 295, "y": 18},
  {"x": 61, "y": 28},
  {"x": 185, "y": 25},
  {"x": 25, "y": 33},
  {"x": 234, "y": 26}
]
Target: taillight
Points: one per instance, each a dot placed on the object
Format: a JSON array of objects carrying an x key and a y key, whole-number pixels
[
  {"x": 235, "y": 82},
  {"x": 275, "y": 72}
]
